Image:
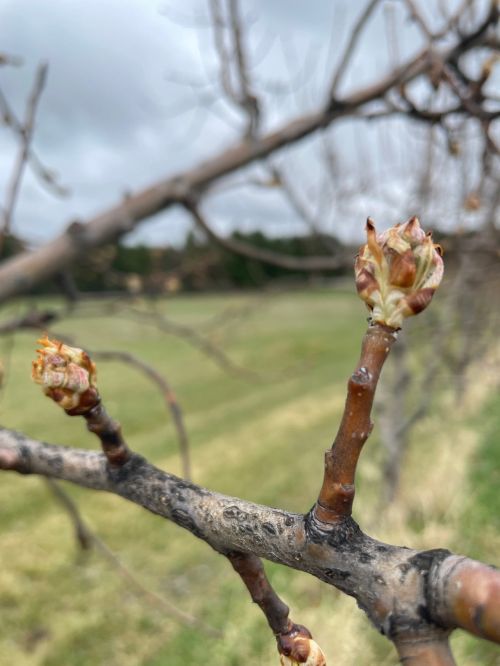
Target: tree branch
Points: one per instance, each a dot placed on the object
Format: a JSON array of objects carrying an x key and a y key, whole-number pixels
[
  {"x": 83, "y": 535},
  {"x": 290, "y": 262},
  {"x": 398, "y": 588},
  {"x": 46, "y": 176},
  {"x": 23, "y": 154},
  {"x": 351, "y": 45},
  {"x": 248, "y": 100},
  {"x": 25, "y": 270}
]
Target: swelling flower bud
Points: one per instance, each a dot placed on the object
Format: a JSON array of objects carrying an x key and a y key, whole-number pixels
[
  {"x": 297, "y": 648},
  {"x": 67, "y": 375},
  {"x": 398, "y": 271}
]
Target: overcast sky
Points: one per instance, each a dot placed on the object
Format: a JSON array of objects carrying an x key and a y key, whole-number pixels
[{"x": 133, "y": 96}]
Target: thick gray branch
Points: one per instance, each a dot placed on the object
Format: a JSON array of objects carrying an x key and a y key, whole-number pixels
[{"x": 392, "y": 584}]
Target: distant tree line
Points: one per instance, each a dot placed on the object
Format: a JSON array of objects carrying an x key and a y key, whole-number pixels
[{"x": 199, "y": 265}]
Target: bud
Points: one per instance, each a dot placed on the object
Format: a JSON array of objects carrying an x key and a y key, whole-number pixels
[
  {"x": 67, "y": 375},
  {"x": 398, "y": 271},
  {"x": 297, "y": 648}
]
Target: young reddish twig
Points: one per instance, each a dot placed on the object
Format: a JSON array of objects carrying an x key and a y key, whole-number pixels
[
  {"x": 251, "y": 570},
  {"x": 397, "y": 274},
  {"x": 295, "y": 643},
  {"x": 337, "y": 492}
]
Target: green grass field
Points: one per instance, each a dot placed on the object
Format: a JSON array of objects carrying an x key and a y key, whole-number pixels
[{"x": 262, "y": 440}]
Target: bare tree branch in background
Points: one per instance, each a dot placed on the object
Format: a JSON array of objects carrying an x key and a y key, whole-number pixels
[
  {"x": 45, "y": 175},
  {"x": 22, "y": 157},
  {"x": 309, "y": 264},
  {"x": 351, "y": 46},
  {"x": 88, "y": 539},
  {"x": 25, "y": 270},
  {"x": 234, "y": 58},
  {"x": 193, "y": 337}
]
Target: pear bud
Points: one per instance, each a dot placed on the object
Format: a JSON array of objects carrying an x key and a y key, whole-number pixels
[
  {"x": 397, "y": 272},
  {"x": 67, "y": 376},
  {"x": 297, "y": 648}
]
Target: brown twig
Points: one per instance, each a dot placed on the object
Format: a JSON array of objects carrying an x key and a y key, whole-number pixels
[
  {"x": 251, "y": 571},
  {"x": 168, "y": 395},
  {"x": 46, "y": 176},
  {"x": 351, "y": 45},
  {"x": 240, "y": 95},
  {"x": 219, "y": 27},
  {"x": 416, "y": 15},
  {"x": 248, "y": 100},
  {"x": 293, "y": 640},
  {"x": 83, "y": 535},
  {"x": 109, "y": 433},
  {"x": 68, "y": 377},
  {"x": 337, "y": 492}
]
